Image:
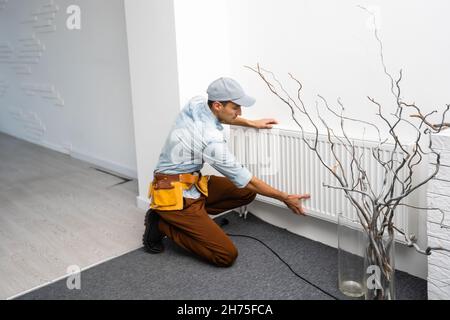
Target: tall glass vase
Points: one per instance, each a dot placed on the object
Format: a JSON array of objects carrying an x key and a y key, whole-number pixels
[
  {"x": 351, "y": 244},
  {"x": 379, "y": 265}
]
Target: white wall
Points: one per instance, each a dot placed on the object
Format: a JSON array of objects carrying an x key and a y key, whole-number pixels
[
  {"x": 203, "y": 45},
  {"x": 72, "y": 92},
  {"x": 329, "y": 46},
  {"x": 154, "y": 81}
]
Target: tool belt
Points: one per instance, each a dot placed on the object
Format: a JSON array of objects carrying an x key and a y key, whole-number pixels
[{"x": 166, "y": 190}]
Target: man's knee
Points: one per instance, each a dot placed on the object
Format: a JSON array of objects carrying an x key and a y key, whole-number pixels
[
  {"x": 227, "y": 257},
  {"x": 249, "y": 196}
]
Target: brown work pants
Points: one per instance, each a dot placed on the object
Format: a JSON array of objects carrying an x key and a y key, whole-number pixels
[{"x": 192, "y": 228}]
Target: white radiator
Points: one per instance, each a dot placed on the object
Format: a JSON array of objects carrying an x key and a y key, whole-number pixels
[{"x": 283, "y": 160}]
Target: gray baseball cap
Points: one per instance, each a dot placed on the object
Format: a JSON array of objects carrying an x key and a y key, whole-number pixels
[{"x": 227, "y": 89}]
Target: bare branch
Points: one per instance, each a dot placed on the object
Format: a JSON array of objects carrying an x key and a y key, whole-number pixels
[
  {"x": 413, "y": 243},
  {"x": 427, "y": 209},
  {"x": 436, "y": 127}
]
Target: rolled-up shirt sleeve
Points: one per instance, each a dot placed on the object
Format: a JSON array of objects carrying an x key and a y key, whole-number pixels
[{"x": 218, "y": 156}]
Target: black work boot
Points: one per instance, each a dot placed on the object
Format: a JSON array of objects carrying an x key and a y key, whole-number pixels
[{"x": 152, "y": 238}]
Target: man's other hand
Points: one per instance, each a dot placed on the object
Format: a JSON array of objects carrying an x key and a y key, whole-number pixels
[
  {"x": 293, "y": 203},
  {"x": 264, "y": 123}
]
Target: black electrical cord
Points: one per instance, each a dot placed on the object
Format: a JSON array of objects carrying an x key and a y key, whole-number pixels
[{"x": 225, "y": 222}]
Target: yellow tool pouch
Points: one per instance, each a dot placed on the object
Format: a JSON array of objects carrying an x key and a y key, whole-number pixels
[
  {"x": 166, "y": 192},
  {"x": 167, "y": 199}
]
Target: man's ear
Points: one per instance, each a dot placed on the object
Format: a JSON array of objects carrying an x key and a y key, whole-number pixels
[{"x": 216, "y": 105}]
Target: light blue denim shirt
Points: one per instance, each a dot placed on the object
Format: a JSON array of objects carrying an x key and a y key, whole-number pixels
[{"x": 198, "y": 137}]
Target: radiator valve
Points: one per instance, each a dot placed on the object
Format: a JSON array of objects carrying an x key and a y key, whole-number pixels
[{"x": 243, "y": 212}]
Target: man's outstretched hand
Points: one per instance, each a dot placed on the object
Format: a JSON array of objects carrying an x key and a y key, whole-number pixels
[
  {"x": 293, "y": 202},
  {"x": 264, "y": 123}
]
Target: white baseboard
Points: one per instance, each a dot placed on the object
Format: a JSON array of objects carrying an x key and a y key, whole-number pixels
[
  {"x": 115, "y": 167},
  {"x": 52, "y": 146},
  {"x": 109, "y": 165},
  {"x": 41, "y": 143}
]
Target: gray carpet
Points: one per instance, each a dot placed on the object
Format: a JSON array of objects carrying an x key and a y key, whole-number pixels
[{"x": 257, "y": 273}]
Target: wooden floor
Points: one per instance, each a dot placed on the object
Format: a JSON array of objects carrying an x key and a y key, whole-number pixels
[{"x": 56, "y": 212}]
